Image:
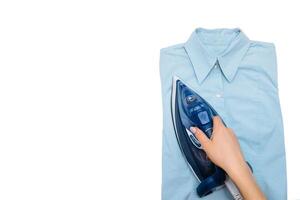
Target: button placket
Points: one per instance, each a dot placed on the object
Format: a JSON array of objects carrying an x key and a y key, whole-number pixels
[{"x": 218, "y": 94}]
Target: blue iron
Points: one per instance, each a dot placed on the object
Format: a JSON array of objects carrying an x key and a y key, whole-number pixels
[{"x": 190, "y": 110}]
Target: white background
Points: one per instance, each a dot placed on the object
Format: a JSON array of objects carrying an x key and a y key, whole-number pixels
[{"x": 80, "y": 101}]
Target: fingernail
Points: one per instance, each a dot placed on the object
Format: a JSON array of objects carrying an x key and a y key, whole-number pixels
[{"x": 193, "y": 129}]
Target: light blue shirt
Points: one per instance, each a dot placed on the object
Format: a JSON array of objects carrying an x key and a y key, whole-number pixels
[{"x": 242, "y": 87}]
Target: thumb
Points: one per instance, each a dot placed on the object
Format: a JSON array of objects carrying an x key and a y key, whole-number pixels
[{"x": 203, "y": 139}]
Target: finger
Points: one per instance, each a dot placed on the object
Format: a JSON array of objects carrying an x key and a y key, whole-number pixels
[
  {"x": 232, "y": 134},
  {"x": 230, "y": 130},
  {"x": 203, "y": 139},
  {"x": 217, "y": 123}
]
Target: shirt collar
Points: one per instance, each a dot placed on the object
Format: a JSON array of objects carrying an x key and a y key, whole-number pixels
[{"x": 229, "y": 60}]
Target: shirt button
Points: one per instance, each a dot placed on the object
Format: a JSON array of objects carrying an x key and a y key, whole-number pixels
[{"x": 218, "y": 95}]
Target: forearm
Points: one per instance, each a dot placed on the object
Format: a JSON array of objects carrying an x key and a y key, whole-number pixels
[{"x": 244, "y": 180}]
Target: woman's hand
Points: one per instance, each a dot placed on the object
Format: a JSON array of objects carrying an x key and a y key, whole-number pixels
[{"x": 224, "y": 150}]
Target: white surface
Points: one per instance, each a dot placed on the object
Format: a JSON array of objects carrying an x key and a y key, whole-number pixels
[{"x": 80, "y": 101}]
